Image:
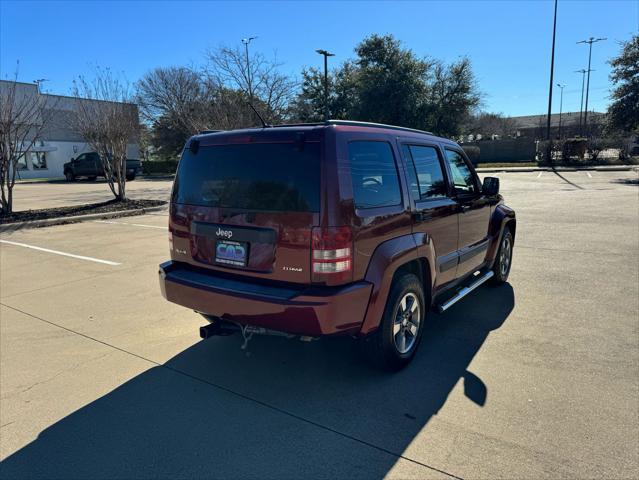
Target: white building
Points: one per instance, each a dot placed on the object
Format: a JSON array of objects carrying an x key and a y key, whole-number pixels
[{"x": 59, "y": 143}]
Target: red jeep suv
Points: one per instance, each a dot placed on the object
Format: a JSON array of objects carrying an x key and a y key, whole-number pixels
[{"x": 337, "y": 228}]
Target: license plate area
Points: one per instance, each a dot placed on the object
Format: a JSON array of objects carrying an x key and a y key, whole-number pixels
[{"x": 229, "y": 252}]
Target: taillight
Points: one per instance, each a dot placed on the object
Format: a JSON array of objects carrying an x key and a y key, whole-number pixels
[{"x": 332, "y": 258}]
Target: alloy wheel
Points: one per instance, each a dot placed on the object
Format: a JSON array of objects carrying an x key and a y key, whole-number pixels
[{"x": 407, "y": 323}]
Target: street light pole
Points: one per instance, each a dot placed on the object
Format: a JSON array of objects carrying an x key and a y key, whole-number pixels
[
  {"x": 581, "y": 105},
  {"x": 561, "y": 104},
  {"x": 246, "y": 42},
  {"x": 590, "y": 41},
  {"x": 552, "y": 70},
  {"x": 326, "y": 54}
]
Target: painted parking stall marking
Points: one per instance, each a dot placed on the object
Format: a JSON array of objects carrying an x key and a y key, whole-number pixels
[
  {"x": 64, "y": 254},
  {"x": 132, "y": 224}
]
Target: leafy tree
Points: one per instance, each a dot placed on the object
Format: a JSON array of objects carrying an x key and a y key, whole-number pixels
[
  {"x": 623, "y": 113},
  {"x": 167, "y": 138},
  {"x": 387, "y": 83}
]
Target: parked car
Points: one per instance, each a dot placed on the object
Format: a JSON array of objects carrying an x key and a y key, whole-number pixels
[
  {"x": 338, "y": 228},
  {"x": 89, "y": 165}
]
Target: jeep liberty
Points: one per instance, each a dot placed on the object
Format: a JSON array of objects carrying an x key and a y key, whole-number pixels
[{"x": 335, "y": 228}]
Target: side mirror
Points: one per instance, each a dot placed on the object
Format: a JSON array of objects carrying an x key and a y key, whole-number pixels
[
  {"x": 72, "y": 159},
  {"x": 490, "y": 186}
]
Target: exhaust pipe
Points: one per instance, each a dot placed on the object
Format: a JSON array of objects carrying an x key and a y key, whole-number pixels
[{"x": 218, "y": 329}]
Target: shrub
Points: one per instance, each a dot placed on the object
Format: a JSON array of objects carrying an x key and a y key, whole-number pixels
[
  {"x": 547, "y": 151},
  {"x": 159, "y": 167}
]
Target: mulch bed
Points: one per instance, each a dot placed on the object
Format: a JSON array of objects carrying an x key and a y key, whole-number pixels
[{"x": 102, "y": 207}]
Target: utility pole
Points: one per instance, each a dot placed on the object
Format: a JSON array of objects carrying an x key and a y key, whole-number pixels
[
  {"x": 326, "y": 55},
  {"x": 246, "y": 42},
  {"x": 561, "y": 104},
  {"x": 581, "y": 105},
  {"x": 552, "y": 70},
  {"x": 590, "y": 41}
]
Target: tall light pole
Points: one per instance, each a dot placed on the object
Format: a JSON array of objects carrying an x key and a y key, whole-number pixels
[
  {"x": 590, "y": 41},
  {"x": 326, "y": 55},
  {"x": 246, "y": 42},
  {"x": 561, "y": 104},
  {"x": 552, "y": 70},
  {"x": 581, "y": 105}
]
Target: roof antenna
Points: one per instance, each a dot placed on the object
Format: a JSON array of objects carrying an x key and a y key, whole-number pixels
[{"x": 264, "y": 124}]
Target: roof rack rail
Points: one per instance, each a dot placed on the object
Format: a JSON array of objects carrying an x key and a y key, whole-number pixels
[
  {"x": 204, "y": 132},
  {"x": 375, "y": 125}
]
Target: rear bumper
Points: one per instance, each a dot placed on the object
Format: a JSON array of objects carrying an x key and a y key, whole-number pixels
[{"x": 311, "y": 311}]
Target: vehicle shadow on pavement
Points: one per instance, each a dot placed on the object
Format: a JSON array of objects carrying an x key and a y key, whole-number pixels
[{"x": 284, "y": 409}]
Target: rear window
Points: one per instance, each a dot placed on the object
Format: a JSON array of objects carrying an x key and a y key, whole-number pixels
[
  {"x": 274, "y": 176},
  {"x": 374, "y": 174}
]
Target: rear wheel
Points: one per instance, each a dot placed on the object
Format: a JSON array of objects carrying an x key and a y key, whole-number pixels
[
  {"x": 394, "y": 344},
  {"x": 501, "y": 267},
  {"x": 130, "y": 177},
  {"x": 69, "y": 176}
]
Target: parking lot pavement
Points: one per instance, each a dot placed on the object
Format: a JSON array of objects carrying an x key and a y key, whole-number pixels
[
  {"x": 60, "y": 194},
  {"x": 101, "y": 377}
]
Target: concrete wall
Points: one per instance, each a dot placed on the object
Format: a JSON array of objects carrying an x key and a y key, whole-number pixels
[{"x": 508, "y": 150}]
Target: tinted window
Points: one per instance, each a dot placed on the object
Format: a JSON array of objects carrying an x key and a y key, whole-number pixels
[
  {"x": 462, "y": 176},
  {"x": 374, "y": 174},
  {"x": 426, "y": 175},
  {"x": 276, "y": 176}
]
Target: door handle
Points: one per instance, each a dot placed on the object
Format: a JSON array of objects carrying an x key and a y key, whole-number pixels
[{"x": 464, "y": 208}]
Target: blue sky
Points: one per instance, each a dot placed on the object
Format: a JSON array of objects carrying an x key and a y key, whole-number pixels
[{"x": 507, "y": 41}]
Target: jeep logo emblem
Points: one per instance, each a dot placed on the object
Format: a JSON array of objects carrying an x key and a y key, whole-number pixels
[{"x": 224, "y": 233}]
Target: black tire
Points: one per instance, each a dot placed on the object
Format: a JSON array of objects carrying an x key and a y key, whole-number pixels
[
  {"x": 130, "y": 177},
  {"x": 504, "y": 258},
  {"x": 384, "y": 346},
  {"x": 69, "y": 176},
  {"x": 92, "y": 178}
]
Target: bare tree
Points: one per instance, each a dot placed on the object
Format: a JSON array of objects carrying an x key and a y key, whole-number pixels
[
  {"x": 107, "y": 118},
  {"x": 178, "y": 102},
  {"x": 24, "y": 115},
  {"x": 179, "y": 95},
  {"x": 259, "y": 78}
]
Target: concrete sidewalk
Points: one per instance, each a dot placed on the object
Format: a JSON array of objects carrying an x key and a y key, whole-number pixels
[{"x": 596, "y": 168}]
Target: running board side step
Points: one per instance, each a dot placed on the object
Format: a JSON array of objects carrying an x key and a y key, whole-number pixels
[{"x": 465, "y": 291}]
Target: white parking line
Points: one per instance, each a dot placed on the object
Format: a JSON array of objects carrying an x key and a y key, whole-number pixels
[
  {"x": 132, "y": 224},
  {"x": 64, "y": 254},
  {"x": 540, "y": 174},
  {"x": 588, "y": 173}
]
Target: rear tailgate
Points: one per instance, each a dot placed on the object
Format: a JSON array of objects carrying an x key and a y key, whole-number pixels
[{"x": 248, "y": 208}]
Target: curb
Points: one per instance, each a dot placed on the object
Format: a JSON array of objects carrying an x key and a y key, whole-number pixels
[
  {"x": 48, "y": 222},
  {"x": 620, "y": 168}
]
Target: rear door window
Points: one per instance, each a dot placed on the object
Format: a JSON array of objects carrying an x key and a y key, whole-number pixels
[
  {"x": 374, "y": 174},
  {"x": 272, "y": 177}
]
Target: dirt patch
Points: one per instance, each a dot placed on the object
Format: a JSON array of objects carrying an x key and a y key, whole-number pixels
[{"x": 102, "y": 207}]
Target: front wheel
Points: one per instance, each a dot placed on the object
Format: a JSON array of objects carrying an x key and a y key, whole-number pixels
[
  {"x": 394, "y": 344},
  {"x": 69, "y": 176},
  {"x": 501, "y": 267}
]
